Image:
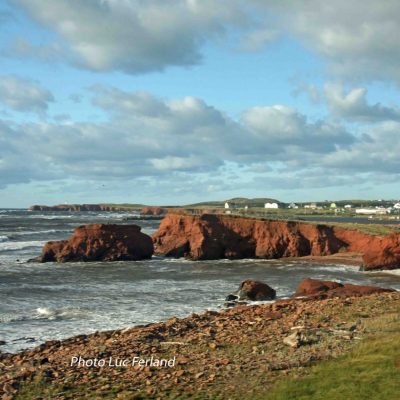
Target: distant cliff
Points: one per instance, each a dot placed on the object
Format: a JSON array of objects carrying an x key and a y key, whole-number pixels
[
  {"x": 80, "y": 207},
  {"x": 211, "y": 236}
]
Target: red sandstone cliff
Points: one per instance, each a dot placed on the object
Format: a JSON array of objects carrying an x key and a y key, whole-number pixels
[
  {"x": 220, "y": 236},
  {"x": 100, "y": 242},
  {"x": 158, "y": 211}
]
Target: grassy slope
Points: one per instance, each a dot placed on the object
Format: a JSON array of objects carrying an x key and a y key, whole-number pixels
[{"x": 370, "y": 371}]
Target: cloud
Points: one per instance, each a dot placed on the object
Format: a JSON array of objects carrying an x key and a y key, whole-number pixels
[
  {"x": 358, "y": 39},
  {"x": 283, "y": 129},
  {"x": 134, "y": 36},
  {"x": 188, "y": 145},
  {"x": 147, "y": 136},
  {"x": 376, "y": 151},
  {"x": 312, "y": 91},
  {"x": 353, "y": 105},
  {"x": 22, "y": 94}
]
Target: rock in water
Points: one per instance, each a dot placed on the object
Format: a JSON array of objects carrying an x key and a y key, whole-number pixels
[
  {"x": 253, "y": 291},
  {"x": 100, "y": 242},
  {"x": 326, "y": 289}
]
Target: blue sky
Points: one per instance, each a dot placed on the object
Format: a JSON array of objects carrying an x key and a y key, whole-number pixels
[{"x": 174, "y": 102}]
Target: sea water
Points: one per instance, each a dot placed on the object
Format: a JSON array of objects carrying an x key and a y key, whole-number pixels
[{"x": 40, "y": 302}]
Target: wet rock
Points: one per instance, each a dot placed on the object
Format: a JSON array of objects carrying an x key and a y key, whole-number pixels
[
  {"x": 317, "y": 289},
  {"x": 255, "y": 291},
  {"x": 100, "y": 242},
  {"x": 310, "y": 286}
]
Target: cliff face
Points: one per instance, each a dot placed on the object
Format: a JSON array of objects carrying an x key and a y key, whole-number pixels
[
  {"x": 79, "y": 207},
  {"x": 100, "y": 242},
  {"x": 221, "y": 236},
  {"x": 157, "y": 211}
]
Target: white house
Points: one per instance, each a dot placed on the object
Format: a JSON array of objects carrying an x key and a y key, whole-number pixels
[
  {"x": 312, "y": 206},
  {"x": 293, "y": 205},
  {"x": 372, "y": 211},
  {"x": 397, "y": 206},
  {"x": 227, "y": 205},
  {"x": 271, "y": 205},
  {"x": 348, "y": 206}
]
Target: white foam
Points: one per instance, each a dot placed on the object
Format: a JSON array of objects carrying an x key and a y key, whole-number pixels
[
  {"x": 42, "y": 216},
  {"x": 386, "y": 271},
  {"x": 21, "y": 245},
  {"x": 62, "y": 313},
  {"x": 3, "y": 238},
  {"x": 26, "y": 233}
]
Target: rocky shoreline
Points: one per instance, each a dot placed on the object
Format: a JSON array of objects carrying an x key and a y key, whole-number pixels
[{"x": 214, "y": 352}]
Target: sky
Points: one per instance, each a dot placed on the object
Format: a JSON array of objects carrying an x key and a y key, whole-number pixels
[{"x": 181, "y": 101}]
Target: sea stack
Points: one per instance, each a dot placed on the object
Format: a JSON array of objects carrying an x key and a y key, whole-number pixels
[{"x": 100, "y": 242}]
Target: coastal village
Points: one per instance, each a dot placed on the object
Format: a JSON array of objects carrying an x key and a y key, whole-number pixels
[{"x": 371, "y": 208}]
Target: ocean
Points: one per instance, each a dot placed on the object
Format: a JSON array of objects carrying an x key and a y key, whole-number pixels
[{"x": 40, "y": 302}]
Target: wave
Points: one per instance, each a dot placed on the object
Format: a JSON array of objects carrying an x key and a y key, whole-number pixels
[
  {"x": 4, "y": 238},
  {"x": 395, "y": 271},
  {"x": 29, "y": 233},
  {"x": 59, "y": 314},
  {"x": 42, "y": 216},
  {"x": 21, "y": 245},
  {"x": 45, "y": 313}
]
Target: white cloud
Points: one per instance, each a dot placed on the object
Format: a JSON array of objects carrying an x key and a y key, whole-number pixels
[
  {"x": 358, "y": 39},
  {"x": 24, "y": 94},
  {"x": 189, "y": 145},
  {"x": 283, "y": 129},
  {"x": 131, "y": 35},
  {"x": 147, "y": 136},
  {"x": 377, "y": 151},
  {"x": 353, "y": 105}
]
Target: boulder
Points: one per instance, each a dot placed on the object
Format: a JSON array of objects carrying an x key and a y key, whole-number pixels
[
  {"x": 316, "y": 289},
  {"x": 100, "y": 242},
  {"x": 253, "y": 291},
  {"x": 310, "y": 286}
]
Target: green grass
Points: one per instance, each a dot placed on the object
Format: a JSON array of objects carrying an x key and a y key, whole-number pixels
[{"x": 371, "y": 371}]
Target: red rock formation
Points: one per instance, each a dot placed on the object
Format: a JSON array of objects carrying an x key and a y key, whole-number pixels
[
  {"x": 100, "y": 242},
  {"x": 211, "y": 236},
  {"x": 383, "y": 253},
  {"x": 220, "y": 236},
  {"x": 153, "y": 211},
  {"x": 312, "y": 286},
  {"x": 316, "y": 289}
]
